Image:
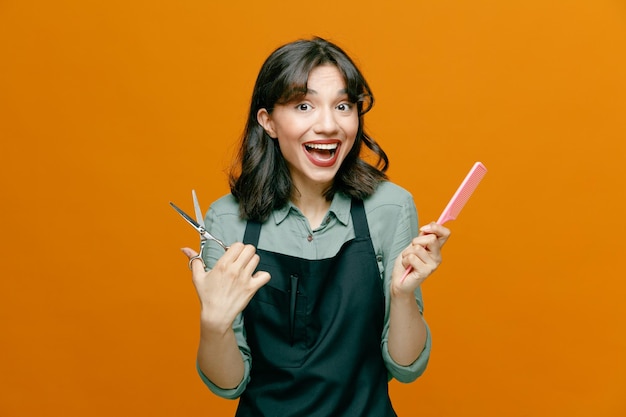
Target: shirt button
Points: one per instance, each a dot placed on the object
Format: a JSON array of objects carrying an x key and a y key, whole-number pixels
[{"x": 309, "y": 238}]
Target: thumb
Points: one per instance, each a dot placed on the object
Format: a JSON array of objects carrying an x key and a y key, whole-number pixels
[
  {"x": 189, "y": 252},
  {"x": 196, "y": 267}
]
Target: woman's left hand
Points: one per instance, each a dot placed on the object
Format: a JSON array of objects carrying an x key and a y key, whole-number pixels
[{"x": 423, "y": 255}]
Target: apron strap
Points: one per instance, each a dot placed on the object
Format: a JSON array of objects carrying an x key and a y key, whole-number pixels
[
  {"x": 253, "y": 231},
  {"x": 359, "y": 219}
]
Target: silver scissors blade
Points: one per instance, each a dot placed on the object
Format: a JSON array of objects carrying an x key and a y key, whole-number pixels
[
  {"x": 196, "y": 207},
  {"x": 204, "y": 234},
  {"x": 191, "y": 221}
]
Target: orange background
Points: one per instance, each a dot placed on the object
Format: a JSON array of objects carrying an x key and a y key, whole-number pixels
[{"x": 109, "y": 110}]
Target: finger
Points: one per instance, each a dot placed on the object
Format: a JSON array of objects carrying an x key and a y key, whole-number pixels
[
  {"x": 229, "y": 257},
  {"x": 429, "y": 241},
  {"x": 231, "y": 254},
  {"x": 408, "y": 256},
  {"x": 433, "y": 228},
  {"x": 260, "y": 279},
  {"x": 246, "y": 255},
  {"x": 420, "y": 268},
  {"x": 415, "y": 259},
  {"x": 236, "y": 259},
  {"x": 243, "y": 264},
  {"x": 251, "y": 265},
  {"x": 420, "y": 256},
  {"x": 442, "y": 233}
]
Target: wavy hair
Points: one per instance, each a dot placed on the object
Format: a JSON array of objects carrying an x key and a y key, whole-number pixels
[{"x": 260, "y": 179}]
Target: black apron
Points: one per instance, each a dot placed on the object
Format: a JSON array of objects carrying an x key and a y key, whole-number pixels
[{"x": 314, "y": 333}]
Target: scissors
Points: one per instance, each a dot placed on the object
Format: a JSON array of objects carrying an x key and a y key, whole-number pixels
[{"x": 198, "y": 224}]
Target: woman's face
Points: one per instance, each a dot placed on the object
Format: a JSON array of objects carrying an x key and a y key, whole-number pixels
[{"x": 316, "y": 132}]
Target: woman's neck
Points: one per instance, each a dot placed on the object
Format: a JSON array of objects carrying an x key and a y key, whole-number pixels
[{"x": 313, "y": 206}]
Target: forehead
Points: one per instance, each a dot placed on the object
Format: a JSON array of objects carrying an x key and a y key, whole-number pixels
[
  {"x": 326, "y": 77},
  {"x": 301, "y": 80}
]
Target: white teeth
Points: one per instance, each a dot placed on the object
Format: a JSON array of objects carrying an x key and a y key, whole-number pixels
[{"x": 322, "y": 146}]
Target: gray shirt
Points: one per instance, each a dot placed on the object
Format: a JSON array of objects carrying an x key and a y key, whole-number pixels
[{"x": 392, "y": 220}]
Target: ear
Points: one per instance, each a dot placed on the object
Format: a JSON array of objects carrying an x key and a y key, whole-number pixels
[{"x": 265, "y": 120}]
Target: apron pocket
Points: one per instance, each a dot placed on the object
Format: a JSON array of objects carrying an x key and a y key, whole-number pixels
[{"x": 275, "y": 323}]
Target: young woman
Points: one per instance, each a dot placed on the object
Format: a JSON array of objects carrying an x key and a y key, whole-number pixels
[{"x": 306, "y": 313}]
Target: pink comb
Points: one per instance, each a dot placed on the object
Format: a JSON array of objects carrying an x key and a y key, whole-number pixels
[{"x": 459, "y": 199}]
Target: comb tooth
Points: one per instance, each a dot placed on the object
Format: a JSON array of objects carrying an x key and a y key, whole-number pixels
[
  {"x": 463, "y": 193},
  {"x": 469, "y": 188},
  {"x": 459, "y": 199}
]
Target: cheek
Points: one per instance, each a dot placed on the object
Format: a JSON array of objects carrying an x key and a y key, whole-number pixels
[
  {"x": 354, "y": 130},
  {"x": 291, "y": 130},
  {"x": 351, "y": 127},
  {"x": 348, "y": 148}
]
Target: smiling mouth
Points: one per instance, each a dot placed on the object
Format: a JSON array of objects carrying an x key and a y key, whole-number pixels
[{"x": 322, "y": 151}]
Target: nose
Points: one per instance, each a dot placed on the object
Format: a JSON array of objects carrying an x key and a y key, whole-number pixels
[{"x": 326, "y": 123}]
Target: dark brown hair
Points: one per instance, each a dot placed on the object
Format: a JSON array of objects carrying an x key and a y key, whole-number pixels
[{"x": 260, "y": 178}]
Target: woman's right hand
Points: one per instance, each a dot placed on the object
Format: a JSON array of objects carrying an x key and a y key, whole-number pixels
[{"x": 226, "y": 290}]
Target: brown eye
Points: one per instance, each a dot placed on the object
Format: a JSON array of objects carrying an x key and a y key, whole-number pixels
[{"x": 344, "y": 107}]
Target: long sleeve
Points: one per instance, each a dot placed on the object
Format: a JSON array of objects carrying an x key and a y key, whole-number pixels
[
  {"x": 215, "y": 224},
  {"x": 393, "y": 223},
  {"x": 247, "y": 361}
]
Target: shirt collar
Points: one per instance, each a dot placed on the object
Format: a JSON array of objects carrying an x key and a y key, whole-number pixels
[
  {"x": 340, "y": 207},
  {"x": 282, "y": 213}
]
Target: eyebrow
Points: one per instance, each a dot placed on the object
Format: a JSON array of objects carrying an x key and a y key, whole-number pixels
[{"x": 339, "y": 93}]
